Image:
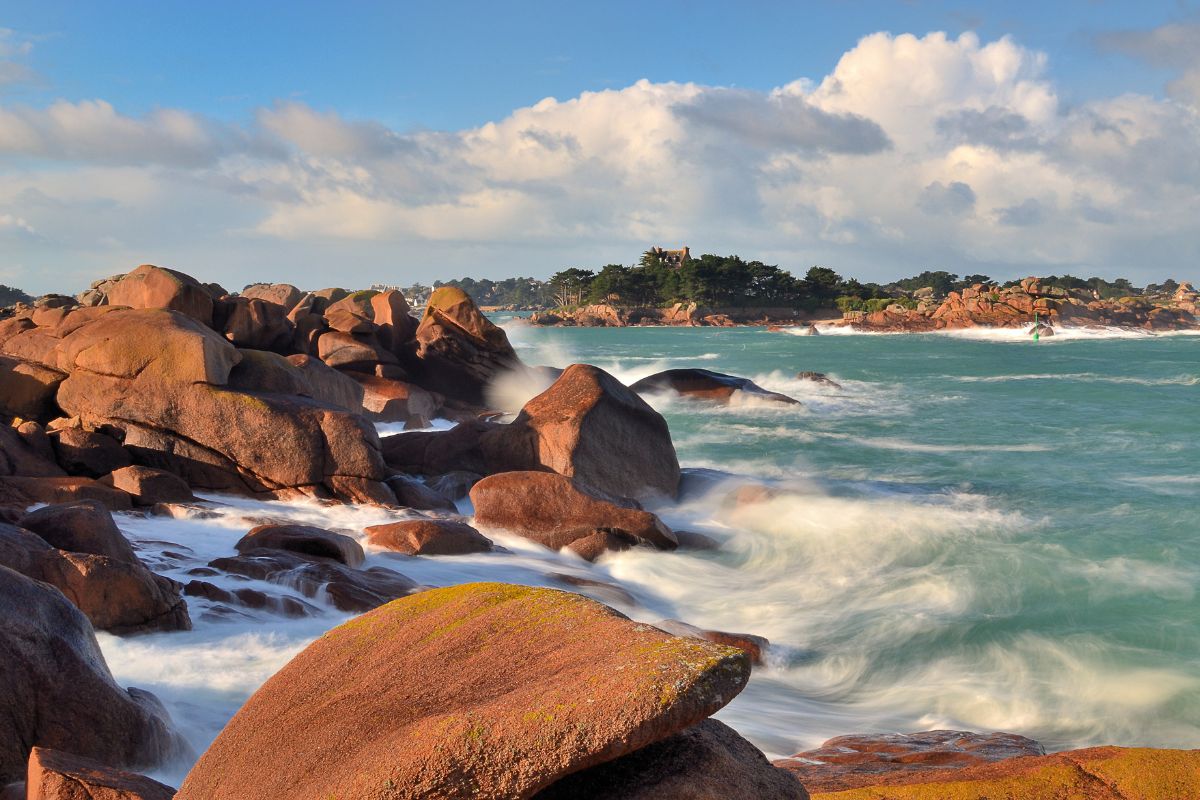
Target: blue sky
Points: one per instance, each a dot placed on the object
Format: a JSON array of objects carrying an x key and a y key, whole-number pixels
[
  {"x": 269, "y": 137},
  {"x": 454, "y": 65}
]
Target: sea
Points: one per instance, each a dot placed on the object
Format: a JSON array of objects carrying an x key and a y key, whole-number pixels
[{"x": 970, "y": 530}]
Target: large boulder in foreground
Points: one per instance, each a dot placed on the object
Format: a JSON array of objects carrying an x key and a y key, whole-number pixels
[
  {"x": 477, "y": 691},
  {"x": 556, "y": 511},
  {"x": 848, "y": 762},
  {"x": 709, "y": 761},
  {"x": 591, "y": 427},
  {"x": 149, "y": 286},
  {"x": 56, "y": 775},
  {"x": 459, "y": 350},
  {"x": 1097, "y": 773},
  {"x": 58, "y": 692},
  {"x": 704, "y": 384}
]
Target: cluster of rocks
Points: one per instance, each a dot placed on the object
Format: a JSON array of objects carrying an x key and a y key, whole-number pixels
[
  {"x": 985, "y": 305},
  {"x": 152, "y": 385},
  {"x": 270, "y": 393}
]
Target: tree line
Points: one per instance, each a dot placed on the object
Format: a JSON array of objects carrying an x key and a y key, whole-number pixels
[{"x": 732, "y": 281}]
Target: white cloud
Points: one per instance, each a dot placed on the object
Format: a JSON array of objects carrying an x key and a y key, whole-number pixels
[
  {"x": 14, "y": 49},
  {"x": 914, "y": 152}
]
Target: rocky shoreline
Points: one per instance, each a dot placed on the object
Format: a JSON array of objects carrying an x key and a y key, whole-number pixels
[
  {"x": 151, "y": 387},
  {"x": 982, "y": 305}
]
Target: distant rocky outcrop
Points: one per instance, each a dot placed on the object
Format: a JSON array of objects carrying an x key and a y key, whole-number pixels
[{"x": 984, "y": 305}]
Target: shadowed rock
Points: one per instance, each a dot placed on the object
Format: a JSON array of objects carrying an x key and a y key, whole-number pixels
[
  {"x": 81, "y": 527},
  {"x": 439, "y": 452},
  {"x": 303, "y": 539},
  {"x": 89, "y": 453},
  {"x": 708, "y": 761},
  {"x": 506, "y": 689},
  {"x": 116, "y": 595},
  {"x": 59, "y": 693},
  {"x": 703, "y": 384},
  {"x": 346, "y": 588},
  {"x": 27, "y": 389}
]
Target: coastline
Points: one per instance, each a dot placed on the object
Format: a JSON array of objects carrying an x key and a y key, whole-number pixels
[{"x": 341, "y": 525}]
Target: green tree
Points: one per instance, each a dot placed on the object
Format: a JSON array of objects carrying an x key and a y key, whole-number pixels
[{"x": 570, "y": 285}]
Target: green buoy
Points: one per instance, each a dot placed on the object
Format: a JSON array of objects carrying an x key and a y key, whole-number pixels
[{"x": 1035, "y": 326}]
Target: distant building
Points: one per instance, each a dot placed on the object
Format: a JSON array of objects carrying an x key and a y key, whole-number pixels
[
  {"x": 381, "y": 287},
  {"x": 672, "y": 258}
]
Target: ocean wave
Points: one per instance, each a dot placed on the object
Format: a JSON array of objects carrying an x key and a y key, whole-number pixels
[
  {"x": 1081, "y": 377},
  {"x": 1062, "y": 333}
]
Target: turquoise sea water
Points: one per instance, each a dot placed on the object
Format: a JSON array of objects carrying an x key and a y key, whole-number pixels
[
  {"x": 974, "y": 532},
  {"x": 978, "y": 531}
]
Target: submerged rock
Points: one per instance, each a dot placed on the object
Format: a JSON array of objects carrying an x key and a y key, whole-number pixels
[
  {"x": 59, "y": 693},
  {"x": 848, "y": 762},
  {"x": 305, "y": 540},
  {"x": 505, "y": 690},
  {"x": 818, "y": 377},
  {"x": 346, "y": 588},
  {"x": 703, "y": 384},
  {"x": 1097, "y": 773}
]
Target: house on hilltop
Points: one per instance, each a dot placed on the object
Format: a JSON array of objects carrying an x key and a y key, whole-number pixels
[{"x": 672, "y": 258}]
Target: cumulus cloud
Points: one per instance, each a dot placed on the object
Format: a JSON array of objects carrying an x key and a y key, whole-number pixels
[
  {"x": 93, "y": 131},
  {"x": 912, "y": 153}
]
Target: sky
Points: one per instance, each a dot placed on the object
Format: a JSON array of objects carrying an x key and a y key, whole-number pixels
[{"x": 357, "y": 143}]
